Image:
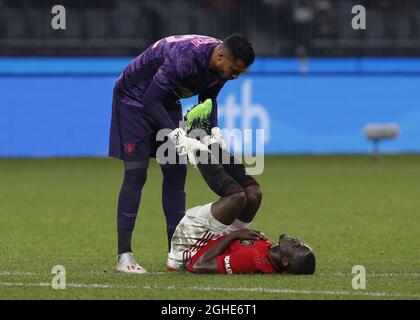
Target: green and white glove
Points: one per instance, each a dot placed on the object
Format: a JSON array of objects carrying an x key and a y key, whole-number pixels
[
  {"x": 216, "y": 136},
  {"x": 186, "y": 146},
  {"x": 199, "y": 118}
]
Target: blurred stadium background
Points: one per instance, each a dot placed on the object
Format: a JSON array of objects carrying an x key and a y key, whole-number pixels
[
  {"x": 276, "y": 27},
  {"x": 315, "y": 85},
  {"x": 316, "y": 80}
]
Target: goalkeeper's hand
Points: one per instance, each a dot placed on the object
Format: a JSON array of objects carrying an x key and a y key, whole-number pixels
[
  {"x": 199, "y": 117},
  {"x": 186, "y": 146},
  {"x": 214, "y": 137}
]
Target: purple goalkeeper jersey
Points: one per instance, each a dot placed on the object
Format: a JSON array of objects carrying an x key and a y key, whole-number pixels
[{"x": 179, "y": 65}]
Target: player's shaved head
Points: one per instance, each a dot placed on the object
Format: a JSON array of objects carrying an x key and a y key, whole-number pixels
[
  {"x": 291, "y": 255},
  {"x": 303, "y": 262}
]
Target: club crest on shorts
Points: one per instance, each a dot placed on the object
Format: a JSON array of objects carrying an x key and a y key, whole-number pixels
[
  {"x": 129, "y": 148},
  {"x": 247, "y": 243}
]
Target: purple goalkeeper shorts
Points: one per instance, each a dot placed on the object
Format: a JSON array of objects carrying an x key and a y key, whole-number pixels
[{"x": 132, "y": 134}]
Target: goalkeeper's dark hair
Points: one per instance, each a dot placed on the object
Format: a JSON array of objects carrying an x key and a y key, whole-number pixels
[{"x": 240, "y": 48}]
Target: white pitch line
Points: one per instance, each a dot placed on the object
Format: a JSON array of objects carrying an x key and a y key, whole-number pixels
[
  {"x": 342, "y": 274},
  {"x": 20, "y": 284},
  {"x": 112, "y": 272},
  {"x": 346, "y": 293},
  {"x": 217, "y": 289},
  {"x": 18, "y": 273}
]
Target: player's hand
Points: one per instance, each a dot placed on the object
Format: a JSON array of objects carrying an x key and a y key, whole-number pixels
[
  {"x": 247, "y": 234},
  {"x": 216, "y": 135},
  {"x": 193, "y": 148},
  {"x": 262, "y": 234},
  {"x": 186, "y": 146},
  {"x": 198, "y": 117}
]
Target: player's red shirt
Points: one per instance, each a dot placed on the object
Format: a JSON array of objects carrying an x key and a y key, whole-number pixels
[{"x": 242, "y": 256}]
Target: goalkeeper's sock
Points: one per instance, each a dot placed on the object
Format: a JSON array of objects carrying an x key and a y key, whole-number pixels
[
  {"x": 128, "y": 204},
  {"x": 124, "y": 241},
  {"x": 173, "y": 196}
]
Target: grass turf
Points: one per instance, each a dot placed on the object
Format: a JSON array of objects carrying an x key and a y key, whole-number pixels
[{"x": 352, "y": 210}]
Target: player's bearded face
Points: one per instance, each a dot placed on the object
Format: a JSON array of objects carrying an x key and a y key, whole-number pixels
[{"x": 230, "y": 69}]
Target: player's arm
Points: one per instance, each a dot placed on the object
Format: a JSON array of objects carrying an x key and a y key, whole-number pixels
[
  {"x": 212, "y": 93},
  {"x": 208, "y": 261},
  {"x": 153, "y": 101},
  {"x": 161, "y": 90}
]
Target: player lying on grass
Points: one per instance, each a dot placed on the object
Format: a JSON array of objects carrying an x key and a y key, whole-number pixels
[{"x": 214, "y": 238}]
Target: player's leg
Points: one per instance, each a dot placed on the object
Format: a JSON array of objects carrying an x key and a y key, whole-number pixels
[
  {"x": 198, "y": 118},
  {"x": 135, "y": 174},
  {"x": 232, "y": 176},
  {"x": 203, "y": 223},
  {"x": 174, "y": 175},
  {"x": 173, "y": 196},
  {"x": 233, "y": 198},
  {"x": 237, "y": 171},
  {"x": 253, "y": 195},
  {"x": 129, "y": 141}
]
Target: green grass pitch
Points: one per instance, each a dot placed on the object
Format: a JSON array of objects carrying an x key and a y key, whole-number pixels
[{"x": 352, "y": 210}]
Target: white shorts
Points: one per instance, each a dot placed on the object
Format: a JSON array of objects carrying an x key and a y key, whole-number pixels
[{"x": 193, "y": 232}]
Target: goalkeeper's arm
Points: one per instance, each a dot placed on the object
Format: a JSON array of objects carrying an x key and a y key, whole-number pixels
[{"x": 211, "y": 93}]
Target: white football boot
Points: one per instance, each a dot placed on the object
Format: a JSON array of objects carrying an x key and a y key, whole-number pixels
[
  {"x": 127, "y": 264},
  {"x": 173, "y": 264}
]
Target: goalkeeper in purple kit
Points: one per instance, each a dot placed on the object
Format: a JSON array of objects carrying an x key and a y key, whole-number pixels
[{"x": 146, "y": 100}]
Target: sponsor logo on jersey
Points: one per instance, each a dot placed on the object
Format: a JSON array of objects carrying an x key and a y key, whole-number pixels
[{"x": 227, "y": 265}]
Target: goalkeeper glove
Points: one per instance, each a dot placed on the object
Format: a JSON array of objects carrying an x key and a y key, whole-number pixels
[
  {"x": 199, "y": 116},
  {"x": 214, "y": 137},
  {"x": 186, "y": 146}
]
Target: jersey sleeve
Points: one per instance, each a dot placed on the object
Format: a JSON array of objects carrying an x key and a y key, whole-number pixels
[
  {"x": 197, "y": 256},
  {"x": 153, "y": 102},
  {"x": 239, "y": 261}
]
